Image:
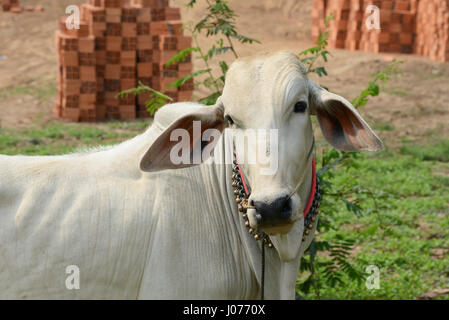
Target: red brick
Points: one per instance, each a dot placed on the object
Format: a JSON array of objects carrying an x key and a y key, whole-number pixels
[
  {"x": 71, "y": 114},
  {"x": 112, "y": 72},
  {"x": 88, "y": 73},
  {"x": 144, "y": 69},
  {"x": 71, "y": 86},
  {"x": 86, "y": 45},
  {"x": 144, "y": 42},
  {"x": 402, "y": 5},
  {"x": 185, "y": 95},
  {"x": 15, "y": 10},
  {"x": 129, "y": 29},
  {"x": 406, "y": 38},
  {"x": 113, "y": 43},
  {"x": 126, "y": 84},
  {"x": 69, "y": 58},
  {"x": 87, "y": 99},
  {"x": 97, "y": 29}
]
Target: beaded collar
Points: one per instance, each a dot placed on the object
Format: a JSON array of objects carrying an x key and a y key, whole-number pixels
[{"x": 242, "y": 193}]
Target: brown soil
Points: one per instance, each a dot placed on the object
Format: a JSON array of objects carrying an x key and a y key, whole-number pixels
[{"x": 415, "y": 107}]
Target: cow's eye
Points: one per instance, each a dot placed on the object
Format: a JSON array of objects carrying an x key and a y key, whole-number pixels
[
  {"x": 300, "y": 107},
  {"x": 229, "y": 120}
]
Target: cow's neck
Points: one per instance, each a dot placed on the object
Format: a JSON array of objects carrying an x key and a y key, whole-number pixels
[{"x": 282, "y": 263}]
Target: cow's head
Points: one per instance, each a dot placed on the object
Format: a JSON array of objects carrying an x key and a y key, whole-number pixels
[{"x": 272, "y": 93}]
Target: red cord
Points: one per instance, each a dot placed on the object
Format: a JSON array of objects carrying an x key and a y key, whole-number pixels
[{"x": 312, "y": 190}]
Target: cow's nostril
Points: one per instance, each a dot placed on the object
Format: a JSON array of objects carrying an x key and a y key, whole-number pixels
[
  {"x": 287, "y": 209},
  {"x": 276, "y": 212}
]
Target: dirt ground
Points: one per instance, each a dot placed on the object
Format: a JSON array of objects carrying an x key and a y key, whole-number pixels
[{"x": 415, "y": 107}]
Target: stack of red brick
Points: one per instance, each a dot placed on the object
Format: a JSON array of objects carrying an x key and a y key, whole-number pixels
[
  {"x": 11, "y": 5},
  {"x": 119, "y": 43},
  {"x": 432, "y": 26},
  {"x": 397, "y": 27},
  {"x": 406, "y": 26},
  {"x": 14, "y": 7}
]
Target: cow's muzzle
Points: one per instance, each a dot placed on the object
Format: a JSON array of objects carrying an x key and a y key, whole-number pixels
[{"x": 272, "y": 217}]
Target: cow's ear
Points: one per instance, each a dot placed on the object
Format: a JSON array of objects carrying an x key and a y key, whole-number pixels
[
  {"x": 341, "y": 124},
  {"x": 187, "y": 142}
]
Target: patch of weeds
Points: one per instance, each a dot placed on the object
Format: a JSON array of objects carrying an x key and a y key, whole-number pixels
[
  {"x": 8, "y": 141},
  {"x": 405, "y": 140},
  {"x": 401, "y": 240},
  {"x": 58, "y": 138},
  {"x": 396, "y": 92},
  {"x": 42, "y": 93},
  {"x": 384, "y": 127},
  {"x": 438, "y": 151},
  {"x": 137, "y": 125}
]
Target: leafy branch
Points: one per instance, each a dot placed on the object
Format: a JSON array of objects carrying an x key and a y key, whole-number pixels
[
  {"x": 331, "y": 271},
  {"x": 310, "y": 55},
  {"x": 219, "y": 21},
  {"x": 157, "y": 98},
  {"x": 373, "y": 89}
]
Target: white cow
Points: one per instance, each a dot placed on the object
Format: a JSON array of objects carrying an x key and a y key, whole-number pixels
[{"x": 137, "y": 231}]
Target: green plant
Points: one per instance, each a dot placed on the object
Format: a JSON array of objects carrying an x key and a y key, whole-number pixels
[
  {"x": 218, "y": 21},
  {"x": 336, "y": 265},
  {"x": 431, "y": 152},
  {"x": 311, "y": 55},
  {"x": 157, "y": 98}
]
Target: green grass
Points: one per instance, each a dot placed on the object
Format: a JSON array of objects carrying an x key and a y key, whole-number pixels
[
  {"x": 384, "y": 127},
  {"x": 42, "y": 93},
  {"x": 438, "y": 151},
  {"x": 59, "y": 138},
  {"x": 401, "y": 240},
  {"x": 395, "y": 90}
]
